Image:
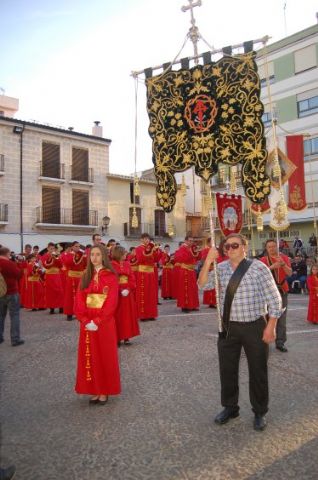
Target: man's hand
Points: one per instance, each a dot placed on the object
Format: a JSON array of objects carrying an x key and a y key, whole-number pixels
[
  {"x": 210, "y": 258},
  {"x": 269, "y": 334}
]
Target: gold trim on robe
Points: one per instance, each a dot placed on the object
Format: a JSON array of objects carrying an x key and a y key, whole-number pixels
[
  {"x": 168, "y": 265},
  {"x": 123, "y": 279},
  {"x": 146, "y": 269},
  {"x": 52, "y": 271},
  {"x": 34, "y": 278},
  {"x": 187, "y": 266},
  {"x": 95, "y": 300},
  {"x": 75, "y": 273}
]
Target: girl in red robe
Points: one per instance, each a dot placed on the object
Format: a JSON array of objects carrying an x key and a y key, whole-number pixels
[
  {"x": 95, "y": 306},
  {"x": 312, "y": 285},
  {"x": 34, "y": 298},
  {"x": 126, "y": 313}
]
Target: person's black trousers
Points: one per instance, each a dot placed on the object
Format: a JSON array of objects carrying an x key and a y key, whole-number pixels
[{"x": 249, "y": 336}]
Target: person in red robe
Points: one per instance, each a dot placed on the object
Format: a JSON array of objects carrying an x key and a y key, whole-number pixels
[
  {"x": 167, "y": 275},
  {"x": 187, "y": 295},
  {"x": 22, "y": 263},
  {"x": 74, "y": 263},
  {"x": 209, "y": 296},
  {"x": 312, "y": 285},
  {"x": 132, "y": 259},
  {"x": 53, "y": 290},
  {"x": 175, "y": 272},
  {"x": 95, "y": 306},
  {"x": 34, "y": 299},
  {"x": 126, "y": 313},
  {"x": 147, "y": 255},
  {"x": 279, "y": 265}
]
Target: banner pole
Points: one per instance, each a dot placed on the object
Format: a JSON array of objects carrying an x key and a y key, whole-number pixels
[{"x": 216, "y": 278}]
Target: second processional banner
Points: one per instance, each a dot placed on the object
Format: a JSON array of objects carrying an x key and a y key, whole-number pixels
[{"x": 229, "y": 208}]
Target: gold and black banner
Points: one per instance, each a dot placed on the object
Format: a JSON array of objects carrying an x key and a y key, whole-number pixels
[{"x": 204, "y": 116}]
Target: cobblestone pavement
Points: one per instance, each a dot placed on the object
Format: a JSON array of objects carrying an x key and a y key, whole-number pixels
[{"x": 161, "y": 427}]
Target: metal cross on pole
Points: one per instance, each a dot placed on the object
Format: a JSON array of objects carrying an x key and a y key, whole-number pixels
[{"x": 194, "y": 31}]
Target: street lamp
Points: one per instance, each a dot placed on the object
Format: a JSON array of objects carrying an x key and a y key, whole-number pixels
[
  {"x": 105, "y": 224},
  {"x": 19, "y": 129}
]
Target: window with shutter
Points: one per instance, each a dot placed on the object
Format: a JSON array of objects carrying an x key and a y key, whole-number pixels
[
  {"x": 80, "y": 213},
  {"x": 51, "y": 212},
  {"x": 160, "y": 223},
  {"x": 50, "y": 160},
  {"x": 80, "y": 164}
]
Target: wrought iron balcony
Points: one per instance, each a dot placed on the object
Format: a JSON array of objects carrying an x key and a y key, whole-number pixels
[
  {"x": 3, "y": 212},
  {"x": 56, "y": 171},
  {"x": 66, "y": 216},
  {"x": 80, "y": 176}
]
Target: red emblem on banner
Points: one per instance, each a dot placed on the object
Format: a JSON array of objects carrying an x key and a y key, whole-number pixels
[
  {"x": 229, "y": 212},
  {"x": 200, "y": 112}
]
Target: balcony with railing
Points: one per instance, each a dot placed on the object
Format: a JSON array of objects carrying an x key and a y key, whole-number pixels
[
  {"x": 66, "y": 218},
  {"x": 1, "y": 165},
  {"x": 53, "y": 173},
  {"x": 78, "y": 176},
  {"x": 3, "y": 213},
  {"x": 154, "y": 230}
]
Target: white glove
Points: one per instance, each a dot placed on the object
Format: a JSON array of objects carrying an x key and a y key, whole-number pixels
[
  {"x": 125, "y": 292},
  {"x": 91, "y": 326}
]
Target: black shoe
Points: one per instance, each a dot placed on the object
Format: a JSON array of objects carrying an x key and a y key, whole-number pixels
[
  {"x": 212, "y": 306},
  {"x": 1, "y": 340},
  {"x": 61, "y": 310},
  {"x": 282, "y": 348},
  {"x": 185, "y": 310},
  {"x": 259, "y": 422},
  {"x": 93, "y": 401},
  {"x": 127, "y": 342},
  {"x": 69, "y": 318},
  {"x": 226, "y": 414},
  {"x": 7, "y": 473},
  {"x": 17, "y": 343},
  {"x": 52, "y": 311}
]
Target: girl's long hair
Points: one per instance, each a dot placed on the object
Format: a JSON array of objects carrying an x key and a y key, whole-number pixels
[
  {"x": 118, "y": 253},
  {"x": 89, "y": 272}
]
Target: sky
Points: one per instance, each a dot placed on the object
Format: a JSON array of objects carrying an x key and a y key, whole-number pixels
[{"x": 70, "y": 61}]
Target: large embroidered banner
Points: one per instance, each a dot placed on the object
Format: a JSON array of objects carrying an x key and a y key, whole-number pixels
[
  {"x": 230, "y": 214},
  {"x": 204, "y": 116}
]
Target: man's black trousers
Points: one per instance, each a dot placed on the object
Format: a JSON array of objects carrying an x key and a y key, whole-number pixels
[{"x": 249, "y": 336}]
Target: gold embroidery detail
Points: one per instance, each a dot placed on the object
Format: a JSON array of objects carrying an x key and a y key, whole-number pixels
[{"x": 95, "y": 300}]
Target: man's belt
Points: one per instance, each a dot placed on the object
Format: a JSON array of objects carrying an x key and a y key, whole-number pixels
[
  {"x": 123, "y": 279},
  {"x": 187, "y": 266},
  {"x": 95, "y": 300},
  {"x": 34, "y": 278},
  {"x": 145, "y": 269},
  {"x": 52, "y": 271},
  {"x": 75, "y": 273}
]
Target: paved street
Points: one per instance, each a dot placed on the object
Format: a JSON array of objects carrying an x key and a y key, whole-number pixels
[{"x": 161, "y": 427}]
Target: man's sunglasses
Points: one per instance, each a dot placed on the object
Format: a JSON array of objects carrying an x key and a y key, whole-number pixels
[{"x": 233, "y": 245}]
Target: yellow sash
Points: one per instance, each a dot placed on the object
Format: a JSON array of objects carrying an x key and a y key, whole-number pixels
[
  {"x": 187, "y": 266},
  {"x": 146, "y": 269},
  {"x": 75, "y": 273},
  {"x": 123, "y": 279},
  {"x": 52, "y": 271},
  {"x": 95, "y": 300},
  {"x": 34, "y": 278}
]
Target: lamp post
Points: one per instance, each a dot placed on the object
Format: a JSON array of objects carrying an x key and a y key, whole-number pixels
[
  {"x": 19, "y": 129},
  {"x": 105, "y": 224}
]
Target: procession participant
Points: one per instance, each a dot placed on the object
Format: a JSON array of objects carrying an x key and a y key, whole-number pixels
[
  {"x": 10, "y": 301},
  {"x": 53, "y": 289},
  {"x": 126, "y": 312},
  {"x": 36, "y": 252},
  {"x": 132, "y": 259},
  {"x": 279, "y": 265},
  {"x": 146, "y": 291},
  {"x": 166, "y": 277},
  {"x": 34, "y": 299},
  {"x": 109, "y": 247},
  {"x": 175, "y": 272},
  {"x": 74, "y": 262},
  {"x": 209, "y": 296},
  {"x": 22, "y": 264},
  {"x": 312, "y": 285},
  {"x": 95, "y": 306},
  {"x": 187, "y": 293},
  {"x": 248, "y": 293}
]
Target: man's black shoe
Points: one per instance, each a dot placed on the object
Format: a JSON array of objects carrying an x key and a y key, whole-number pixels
[
  {"x": 17, "y": 343},
  {"x": 282, "y": 348},
  {"x": 226, "y": 414},
  {"x": 7, "y": 473},
  {"x": 259, "y": 422}
]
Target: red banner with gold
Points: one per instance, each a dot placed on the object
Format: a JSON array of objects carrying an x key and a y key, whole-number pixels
[
  {"x": 296, "y": 182},
  {"x": 230, "y": 215},
  {"x": 262, "y": 207}
]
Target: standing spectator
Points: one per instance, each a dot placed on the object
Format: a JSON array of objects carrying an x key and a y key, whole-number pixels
[
  {"x": 297, "y": 245},
  {"x": 299, "y": 273},
  {"x": 12, "y": 274},
  {"x": 313, "y": 245},
  {"x": 312, "y": 284}
]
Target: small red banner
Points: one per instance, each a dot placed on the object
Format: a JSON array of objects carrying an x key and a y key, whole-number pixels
[
  {"x": 296, "y": 182},
  {"x": 229, "y": 209},
  {"x": 263, "y": 207}
]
